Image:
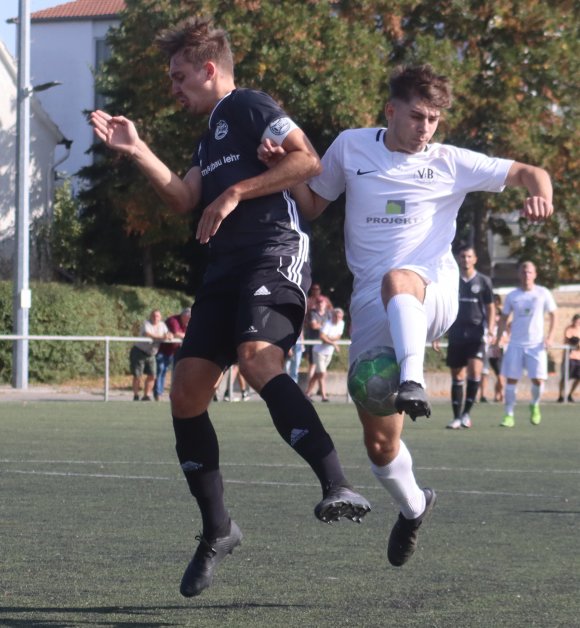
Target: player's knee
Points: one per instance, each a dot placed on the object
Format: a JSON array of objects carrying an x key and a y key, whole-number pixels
[
  {"x": 187, "y": 402},
  {"x": 259, "y": 363},
  {"x": 380, "y": 448},
  {"x": 401, "y": 281}
]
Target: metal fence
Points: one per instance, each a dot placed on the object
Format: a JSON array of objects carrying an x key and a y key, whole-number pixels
[{"x": 109, "y": 339}]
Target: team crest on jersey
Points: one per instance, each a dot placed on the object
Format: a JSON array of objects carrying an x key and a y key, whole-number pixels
[
  {"x": 221, "y": 130},
  {"x": 476, "y": 289},
  {"x": 395, "y": 207},
  {"x": 280, "y": 126}
]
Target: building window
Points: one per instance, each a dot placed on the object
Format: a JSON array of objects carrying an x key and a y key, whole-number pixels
[{"x": 102, "y": 54}]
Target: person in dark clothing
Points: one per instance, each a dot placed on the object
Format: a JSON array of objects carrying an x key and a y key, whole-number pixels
[
  {"x": 251, "y": 306},
  {"x": 468, "y": 336}
]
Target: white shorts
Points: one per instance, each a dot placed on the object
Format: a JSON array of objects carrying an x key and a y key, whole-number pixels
[
  {"x": 485, "y": 367},
  {"x": 369, "y": 320},
  {"x": 321, "y": 361},
  {"x": 533, "y": 359}
]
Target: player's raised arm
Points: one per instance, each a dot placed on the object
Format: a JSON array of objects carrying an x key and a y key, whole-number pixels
[
  {"x": 298, "y": 163},
  {"x": 311, "y": 204},
  {"x": 119, "y": 134},
  {"x": 538, "y": 205}
]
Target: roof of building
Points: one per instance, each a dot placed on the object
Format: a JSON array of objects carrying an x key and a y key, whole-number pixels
[{"x": 80, "y": 9}]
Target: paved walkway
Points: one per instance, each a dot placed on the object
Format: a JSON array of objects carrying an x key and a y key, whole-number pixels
[{"x": 438, "y": 386}]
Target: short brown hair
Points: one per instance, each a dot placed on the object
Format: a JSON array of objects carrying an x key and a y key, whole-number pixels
[
  {"x": 406, "y": 82},
  {"x": 199, "y": 41}
]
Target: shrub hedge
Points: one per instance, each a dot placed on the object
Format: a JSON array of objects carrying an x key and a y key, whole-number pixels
[{"x": 65, "y": 310}]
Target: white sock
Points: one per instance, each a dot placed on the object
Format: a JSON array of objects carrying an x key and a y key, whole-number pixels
[
  {"x": 408, "y": 326},
  {"x": 398, "y": 478},
  {"x": 537, "y": 392},
  {"x": 510, "y": 398}
]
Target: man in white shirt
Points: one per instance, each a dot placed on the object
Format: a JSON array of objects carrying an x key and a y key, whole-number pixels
[
  {"x": 526, "y": 306},
  {"x": 142, "y": 355},
  {"x": 331, "y": 331},
  {"x": 402, "y": 199}
]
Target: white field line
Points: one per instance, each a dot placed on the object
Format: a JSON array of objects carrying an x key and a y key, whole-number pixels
[
  {"x": 156, "y": 478},
  {"x": 276, "y": 465},
  {"x": 114, "y": 476}
]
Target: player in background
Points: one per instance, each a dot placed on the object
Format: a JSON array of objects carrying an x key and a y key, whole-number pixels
[
  {"x": 527, "y": 348},
  {"x": 251, "y": 305},
  {"x": 468, "y": 336},
  {"x": 402, "y": 197}
]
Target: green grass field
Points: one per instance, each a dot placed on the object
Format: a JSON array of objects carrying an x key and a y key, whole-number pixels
[{"x": 97, "y": 525}]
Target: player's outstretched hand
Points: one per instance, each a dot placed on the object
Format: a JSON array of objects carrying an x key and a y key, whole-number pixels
[
  {"x": 117, "y": 132},
  {"x": 270, "y": 153},
  {"x": 214, "y": 214},
  {"x": 536, "y": 209}
]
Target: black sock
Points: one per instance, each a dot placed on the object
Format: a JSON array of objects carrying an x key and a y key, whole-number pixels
[
  {"x": 198, "y": 453},
  {"x": 457, "y": 397},
  {"x": 299, "y": 425},
  {"x": 470, "y": 394}
]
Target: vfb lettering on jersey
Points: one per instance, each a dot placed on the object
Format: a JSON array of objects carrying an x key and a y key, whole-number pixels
[{"x": 425, "y": 175}]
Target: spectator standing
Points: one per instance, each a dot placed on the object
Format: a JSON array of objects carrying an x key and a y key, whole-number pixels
[
  {"x": 468, "y": 336},
  {"x": 142, "y": 355},
  {"x": 527, "y": 348},
  {"x": 295, "y": 358},
  {"x": 234, "y": 375},
  {"x": 314, "y": 297},
  {"x": 494, "y": 353},
  {"x": 165, "y": 358},
  {"x": 252, "y": 302},
  {"x": 316, "y": 316},
  {"x": 331, "y": 331},
  {"x": 572, "y": 339}
]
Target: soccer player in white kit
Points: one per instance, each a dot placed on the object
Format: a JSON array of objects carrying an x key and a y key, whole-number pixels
[
  {"x": 402, "y": 199},
  {"x": 527, "y": 306}
]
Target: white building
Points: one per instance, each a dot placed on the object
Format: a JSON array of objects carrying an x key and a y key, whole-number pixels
[
  {"x": 67, "y": 44},
  {"x": 45, "y": 136}
]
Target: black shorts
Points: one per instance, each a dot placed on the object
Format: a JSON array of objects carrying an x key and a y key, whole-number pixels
[
  {"x": 573, "y": 369},
  {"x": 459, "y": 354},
  {"x": 258, "y": 303},
  {"x": 495, "y": 364}
]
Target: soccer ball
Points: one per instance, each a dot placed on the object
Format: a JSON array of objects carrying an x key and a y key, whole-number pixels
[{"x": 373, "y": 381}]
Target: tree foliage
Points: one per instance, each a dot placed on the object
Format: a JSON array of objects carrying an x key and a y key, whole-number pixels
[
  {"x": 514, "y": 66},
  {"x": 65, "y": 233}
]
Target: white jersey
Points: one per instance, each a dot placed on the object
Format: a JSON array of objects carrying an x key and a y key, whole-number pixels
[
  {"x": 149, "y": 329},
  {"x": 332, "y": 330},
  {"x": 401, "y": 208},
  {"x": 528, "y": 308}
]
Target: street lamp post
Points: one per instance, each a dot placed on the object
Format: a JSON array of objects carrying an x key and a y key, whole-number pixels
[{"x": 22, "y": 295}]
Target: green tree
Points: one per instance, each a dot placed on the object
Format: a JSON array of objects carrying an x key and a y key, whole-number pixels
[
  {"x": 66, "y": 230},
  {"x": 296, "y": 62},
  {"x": 514, "y": 65}
]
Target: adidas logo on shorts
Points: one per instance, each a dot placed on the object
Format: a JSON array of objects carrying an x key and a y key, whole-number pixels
[{"x": 262, "y": 291}]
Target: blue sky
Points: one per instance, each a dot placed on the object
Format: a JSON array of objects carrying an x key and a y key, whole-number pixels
[{"x": 9, "y": 9}]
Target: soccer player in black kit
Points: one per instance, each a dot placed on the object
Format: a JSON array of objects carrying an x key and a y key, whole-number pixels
[
  {"x": 251, "y": 305},
  {"x": 467, "y": 336}
]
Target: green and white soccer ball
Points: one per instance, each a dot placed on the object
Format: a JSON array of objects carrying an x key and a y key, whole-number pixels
[{"x": 373, "y": 381}]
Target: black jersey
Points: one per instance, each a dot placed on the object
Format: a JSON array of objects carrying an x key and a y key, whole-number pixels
[
  {"x": 471, "y": 322},
  {"x": 227, "y": 153}
]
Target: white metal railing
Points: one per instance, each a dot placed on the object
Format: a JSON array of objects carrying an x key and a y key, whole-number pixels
[{"x": 108, "y": 339}]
